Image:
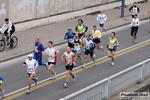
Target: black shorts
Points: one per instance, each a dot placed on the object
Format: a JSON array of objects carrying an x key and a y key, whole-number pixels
[
  {"x": 87, "y": 52},
  {"x": 101, "y": 25},
  {"x": 96, "y": 41},
  {"x": 111, "y": 50},
  {"x": 80, "y": 35},
  {"x": 71, "y": 45},
  {"x": 69, "y": 67},
  {"x": 49, "y": 63}
]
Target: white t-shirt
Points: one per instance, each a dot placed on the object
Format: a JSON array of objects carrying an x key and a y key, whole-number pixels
[
  {"x": 101, "y": 18},
  {"x": 69, "y": 58},
  {"x": 135, "y": 22},
  {"x": 51, "y": 52},
  {"x": 88, "y": 43},
  {"x": 134, "y": 10},
  {"x": 31, "y": 65},
  {"x": 76, "y": 43}
]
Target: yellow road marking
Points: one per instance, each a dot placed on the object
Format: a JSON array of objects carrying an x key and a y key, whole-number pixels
[{"x": 76, "y": 71}]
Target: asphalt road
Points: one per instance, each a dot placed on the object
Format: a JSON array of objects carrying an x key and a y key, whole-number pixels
[{"x": 15, "y": 75}]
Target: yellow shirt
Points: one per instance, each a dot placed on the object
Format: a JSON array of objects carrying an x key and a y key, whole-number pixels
[{"x": 97, "y": 33}]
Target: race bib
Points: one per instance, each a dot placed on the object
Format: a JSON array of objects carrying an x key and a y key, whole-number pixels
[
  {"x": 36, "y": 48},
  {"x": 111, "y": 45},
  {"x": 31, "y": 69},
  {"x": 87, "y": 47},
  {"x": 69, "y": 40},
  {"x": 69, "y": 61},
  {"x": 76, "y": 44}
]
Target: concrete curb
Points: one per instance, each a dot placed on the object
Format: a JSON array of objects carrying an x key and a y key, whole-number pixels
[{"x": 62, "y": 42}]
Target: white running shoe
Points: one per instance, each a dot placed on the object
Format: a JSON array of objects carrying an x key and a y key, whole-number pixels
[
  {"x": 83, "y": 65},
  {"x": 65, "y": 85},
  {"x": 94, "y": 56},
  {"x": 94, "y": 63},
  {"x": 3, "y": 94},
  {"x": 28, "y": 91},
  {"x": 74, "y": 78},
  {"x": 102, "y": 47},
  {"x": 112, "y": 63},
  {"x": 54, "y": 76},
  {"x": 46, "y": 65},
  {"x": 36, "y": 80}
]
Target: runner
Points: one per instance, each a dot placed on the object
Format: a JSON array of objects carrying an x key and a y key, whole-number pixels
[
  {"x": 89, "y": 49},
  {"x": 38, "y": 49},
  {"x": 52, "y": 54},
  {"x": 31, "y": 65},
  {"x": 81, "y": 29},
  {"x": 68, "y": 57},
  {"x": 134, "y": 9},
  {"x": 77, "y": 47},
  {"x": 70, "y": 36},
  {"x": 112, "y": 44},
  {"x": 134, "y": 27},
  {"x": 101, "y": 18},
  {"x": 1, "y": 89},
  {"x": 96, "y": 34}
]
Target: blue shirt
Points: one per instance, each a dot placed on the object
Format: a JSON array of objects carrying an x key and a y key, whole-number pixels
[{"x": 69, "y": 36}]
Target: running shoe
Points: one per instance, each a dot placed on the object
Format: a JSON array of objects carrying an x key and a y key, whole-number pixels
[
  {"x": 46, "y": 65},
  {"x": 112, "y": 63},
  {"x": 3, "y": 93},
  {"x": 83, "y": 65},
  {"x": 74, "y": 78},
  {"x": 36, "y": 80},
  {"x": 54, "y": 76},
  {"x": 102, "y": 47},
  {"x": 28, "y": 90},
  {"x": 105, "y": 30},
  {"x": 94, "y": 56},
  {"x": 65, "y": 85}
]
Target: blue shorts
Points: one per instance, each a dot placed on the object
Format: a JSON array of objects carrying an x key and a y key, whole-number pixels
[
  {"x": 76, "y": 52},
  {"x": 30, "y": 74},
  {"x": 101, "y": 25}
]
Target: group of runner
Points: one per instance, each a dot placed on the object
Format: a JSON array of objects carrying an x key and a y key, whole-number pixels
[{"x": 76, "y": 45}]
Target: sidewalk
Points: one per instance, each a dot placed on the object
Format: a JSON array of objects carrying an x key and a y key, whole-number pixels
[{"x": 56, "y": 31}]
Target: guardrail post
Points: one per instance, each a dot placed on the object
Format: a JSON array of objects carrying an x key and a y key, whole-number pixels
[
  {"x": 108, "y": 88},
  {"x": 142, "y": 72}
]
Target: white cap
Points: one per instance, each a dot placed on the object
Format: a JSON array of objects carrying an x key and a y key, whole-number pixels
[{"x": 30, "y": 55}]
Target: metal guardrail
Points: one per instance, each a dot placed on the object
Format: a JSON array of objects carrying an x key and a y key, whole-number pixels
[{"x": 108, "y": 86}]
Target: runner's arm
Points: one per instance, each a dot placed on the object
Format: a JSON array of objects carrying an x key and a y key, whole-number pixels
[
  {"x": 117, "y": 42},
  {"x": 57, "y": 53},
  {"x": 24, "y": 64},
  {"x": 65, "y": 37},
  {"x": 138, "y": 9},
  {"x": 97, "y": 18},
  {"x": 9, "y": 27},
  {"x": 36, "y": 64},
  {"x": 130, "y": 8},
  {"x": 105, "y": 17},
  {"x": 62, "y": 57},
  {"x": 42, "y": 48}
]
